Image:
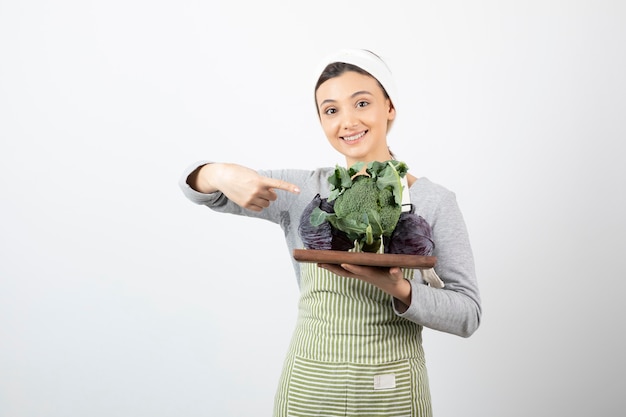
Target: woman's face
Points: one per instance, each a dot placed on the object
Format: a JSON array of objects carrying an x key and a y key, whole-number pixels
[{"x": 354, "y": 114}]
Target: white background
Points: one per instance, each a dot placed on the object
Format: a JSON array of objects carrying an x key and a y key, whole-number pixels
[{"x": 118, "y": 297}]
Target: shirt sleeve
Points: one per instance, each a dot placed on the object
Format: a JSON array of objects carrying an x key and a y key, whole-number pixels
[
  {"x": 456, "y": 308},
  {"x": 193, "y": 195}
]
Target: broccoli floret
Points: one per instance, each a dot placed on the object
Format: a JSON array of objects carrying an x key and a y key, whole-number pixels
[
  {"x": 360, "y": 197},
  {"x": 389, "y": 211},
  {"x": 389, "y": 216}
]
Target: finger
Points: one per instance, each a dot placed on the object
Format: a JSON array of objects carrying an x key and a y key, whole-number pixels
[
  {"x": 267, "y": 194},
  {"x": 282, "y": 185},
  {"x": 262, "y": 202},
  {"x": 335, "y": 269},
  {"x": 364, "y": 270},
  {"x": 354, "y": 269},
  {"x": 396, "y": 271}
]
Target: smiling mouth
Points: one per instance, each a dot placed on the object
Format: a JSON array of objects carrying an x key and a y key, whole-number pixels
[{"x": 354, "y": 137}]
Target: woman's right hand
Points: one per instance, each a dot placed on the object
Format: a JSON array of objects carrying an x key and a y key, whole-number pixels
[{"x": 240, "y": 184}]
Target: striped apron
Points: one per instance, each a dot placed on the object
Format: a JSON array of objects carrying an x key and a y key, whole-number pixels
[{"x": 350, "y": 354}]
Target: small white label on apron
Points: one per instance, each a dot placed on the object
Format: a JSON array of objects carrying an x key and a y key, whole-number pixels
[{"x": 386, "y": 381}]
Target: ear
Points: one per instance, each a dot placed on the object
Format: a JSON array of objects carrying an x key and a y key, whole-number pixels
[{"x": 391, "y": 114}]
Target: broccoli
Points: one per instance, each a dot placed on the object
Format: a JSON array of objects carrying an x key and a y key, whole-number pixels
[
  {"x": 362, "y": 194},
  {"x": 367, "y": 207}
]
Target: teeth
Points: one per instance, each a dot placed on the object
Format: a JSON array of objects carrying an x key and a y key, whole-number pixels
[{"x": 355, "y": 137}]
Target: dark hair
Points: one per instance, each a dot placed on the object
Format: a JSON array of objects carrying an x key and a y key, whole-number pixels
[{"x": 338, "y": 68}]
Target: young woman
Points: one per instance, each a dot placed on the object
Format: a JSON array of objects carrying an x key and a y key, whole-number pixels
[{"x": 357, "y": 347}]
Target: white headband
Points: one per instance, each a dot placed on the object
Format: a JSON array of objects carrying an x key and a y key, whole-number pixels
[{"x": 367, "y": 61}]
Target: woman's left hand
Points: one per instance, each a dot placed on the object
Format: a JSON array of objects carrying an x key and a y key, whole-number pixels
[{"x": 391, "y": 280}]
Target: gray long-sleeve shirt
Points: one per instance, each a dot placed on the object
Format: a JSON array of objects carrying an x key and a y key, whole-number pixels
[{"x": 454, "y": 309}]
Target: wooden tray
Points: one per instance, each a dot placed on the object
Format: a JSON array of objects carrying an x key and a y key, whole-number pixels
[{"x": 364, "y": 258}]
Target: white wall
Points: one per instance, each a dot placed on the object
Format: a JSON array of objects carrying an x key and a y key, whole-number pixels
[{"x": 116, "y": 297}]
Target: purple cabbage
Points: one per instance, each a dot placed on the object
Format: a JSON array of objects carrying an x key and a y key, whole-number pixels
[
  {"x": 412, "y": 236},
  {"x": 324, "y": 236}
]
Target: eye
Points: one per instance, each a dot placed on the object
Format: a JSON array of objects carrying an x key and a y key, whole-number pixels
[
  {"x": 330, "y": 110},
  {"x": 362, "y": 103}
]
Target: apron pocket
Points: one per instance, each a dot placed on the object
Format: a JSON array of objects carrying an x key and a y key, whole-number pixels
[{"x": 332, "y": 389}]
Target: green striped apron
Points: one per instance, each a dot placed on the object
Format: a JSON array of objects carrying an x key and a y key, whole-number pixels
[{"x": 351, "y": 355}]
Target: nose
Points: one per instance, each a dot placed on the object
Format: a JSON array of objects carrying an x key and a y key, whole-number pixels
[{"x": 349, "y": 120}]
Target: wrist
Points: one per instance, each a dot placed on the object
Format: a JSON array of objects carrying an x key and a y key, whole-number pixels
[
  {"x": 403, "y": 295},
  {"x": 202, "y": 179}
]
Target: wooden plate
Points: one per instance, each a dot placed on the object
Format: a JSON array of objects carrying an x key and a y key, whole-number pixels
[{"x": 364, "y": 258}]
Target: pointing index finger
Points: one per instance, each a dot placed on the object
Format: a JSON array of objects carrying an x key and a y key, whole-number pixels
[{"x": 283, "y": 185}]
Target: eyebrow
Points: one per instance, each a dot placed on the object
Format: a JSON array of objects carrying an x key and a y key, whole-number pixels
[{"x": 351, "y": 96}]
